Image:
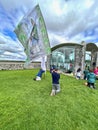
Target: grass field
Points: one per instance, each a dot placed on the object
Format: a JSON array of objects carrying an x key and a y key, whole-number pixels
[{"x": 26, "y": 104}]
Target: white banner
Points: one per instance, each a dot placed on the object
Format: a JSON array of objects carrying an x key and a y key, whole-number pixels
[{"x": 32, "y": 33}]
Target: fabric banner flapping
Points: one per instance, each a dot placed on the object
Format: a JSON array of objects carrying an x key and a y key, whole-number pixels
[{"x": 32, "y": 33}]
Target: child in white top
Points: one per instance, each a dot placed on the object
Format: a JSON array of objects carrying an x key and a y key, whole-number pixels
[{"x": 78, "y": 73}]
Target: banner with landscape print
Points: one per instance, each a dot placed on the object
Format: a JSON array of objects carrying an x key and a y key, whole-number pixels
[{"x": 32, "y": 33}]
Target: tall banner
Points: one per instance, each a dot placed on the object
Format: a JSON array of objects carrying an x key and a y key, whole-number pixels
[{"x": 32, "y": 33}]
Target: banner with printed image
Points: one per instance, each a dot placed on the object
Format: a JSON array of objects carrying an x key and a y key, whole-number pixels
[{"x": 32, "y": 33}]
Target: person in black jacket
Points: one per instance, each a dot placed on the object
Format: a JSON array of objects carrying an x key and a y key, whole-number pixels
[{"x": 55, "y": 81}]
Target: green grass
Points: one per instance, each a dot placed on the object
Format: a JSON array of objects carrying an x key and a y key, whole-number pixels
[{"x": 26, "y": 104}]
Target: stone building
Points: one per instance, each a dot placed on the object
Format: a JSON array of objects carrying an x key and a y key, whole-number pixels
[{"x": 68, "y": 57}]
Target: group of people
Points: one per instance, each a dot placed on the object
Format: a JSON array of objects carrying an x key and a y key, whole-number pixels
[{"x": 90, "y": 75}]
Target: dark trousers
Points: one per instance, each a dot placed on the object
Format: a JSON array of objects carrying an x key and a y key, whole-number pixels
[
  {"x": 91, "y": 85},
  {"x": 85, "y": 77}
]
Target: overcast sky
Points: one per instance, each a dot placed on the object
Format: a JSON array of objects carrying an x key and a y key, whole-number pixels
[{"x": 66, "y": 21}]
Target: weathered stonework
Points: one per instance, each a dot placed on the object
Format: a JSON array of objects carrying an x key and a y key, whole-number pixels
[{"x": 17, "y": 65}]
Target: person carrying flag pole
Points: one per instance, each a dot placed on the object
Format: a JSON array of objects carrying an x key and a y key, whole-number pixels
[{"x": 42, "y": 69}]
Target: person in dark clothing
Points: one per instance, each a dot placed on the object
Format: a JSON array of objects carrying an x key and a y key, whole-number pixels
[
  {"x": 55, "y": 81},
  {"x": 52, "y": 67}
]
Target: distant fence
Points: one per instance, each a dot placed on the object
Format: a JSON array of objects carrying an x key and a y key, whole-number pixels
[{"x": 17, "y": 65}]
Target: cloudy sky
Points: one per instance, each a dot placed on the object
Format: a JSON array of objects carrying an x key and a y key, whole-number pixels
[{"x": 66, "y": 21}]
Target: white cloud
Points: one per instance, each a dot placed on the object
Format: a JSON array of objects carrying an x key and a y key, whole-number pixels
[
  {"x": 66, "y": 20},
  {"x": 10, "y": 49}
]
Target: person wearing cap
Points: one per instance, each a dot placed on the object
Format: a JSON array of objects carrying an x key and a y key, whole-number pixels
[{"x": 55, "y": 81}]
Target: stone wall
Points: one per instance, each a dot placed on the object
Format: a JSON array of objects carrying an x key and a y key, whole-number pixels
[
  {"x": 17, "y": 65},
  {"x": 97, "y": 59},
  {"x": 80, "y": 58}
]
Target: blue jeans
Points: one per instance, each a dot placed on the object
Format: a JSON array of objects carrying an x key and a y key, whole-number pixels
[{"x": 40, "y": 73}]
